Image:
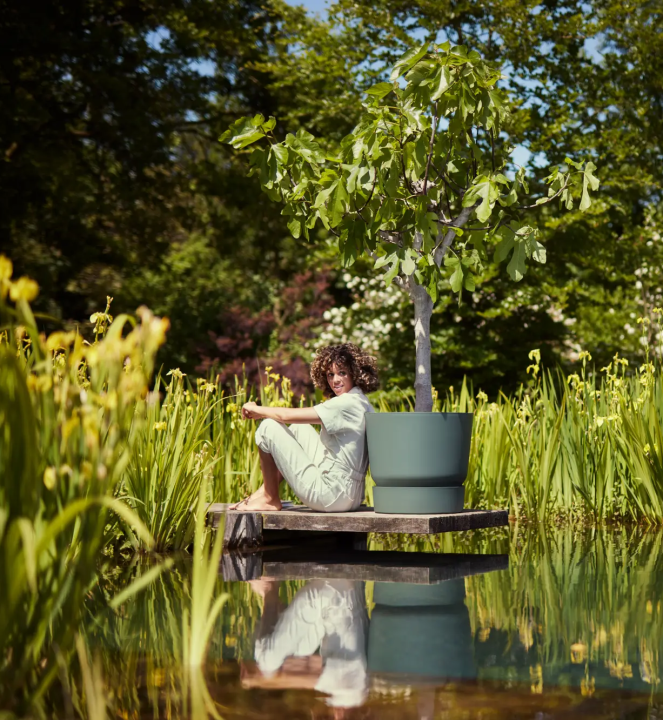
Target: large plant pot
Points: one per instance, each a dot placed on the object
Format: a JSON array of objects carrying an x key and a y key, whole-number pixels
[{"x": 419, "y": 461}]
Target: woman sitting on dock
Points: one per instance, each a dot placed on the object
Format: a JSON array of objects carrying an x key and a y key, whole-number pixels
[{"x": 326, "y": 471}]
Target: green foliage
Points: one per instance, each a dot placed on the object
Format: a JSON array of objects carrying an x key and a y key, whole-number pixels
[
  {"x": 401, "y": 188},
  {"x": 66, "y": 413},
  {"x": 171, "y": 463}
]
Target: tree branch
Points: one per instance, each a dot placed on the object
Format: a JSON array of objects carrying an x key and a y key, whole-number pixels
[
  {"x": 391, "y": 237},
  {"x": 548, "y": 200},
  {"x": 441, "y": 249},
  {"x": 370, "y": 195}
]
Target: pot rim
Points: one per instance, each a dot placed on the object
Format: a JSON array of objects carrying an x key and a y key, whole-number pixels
[{"x": 416, "y": 412}]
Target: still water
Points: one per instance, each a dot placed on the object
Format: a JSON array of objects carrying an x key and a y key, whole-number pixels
[{"x": 516, "y": 623}]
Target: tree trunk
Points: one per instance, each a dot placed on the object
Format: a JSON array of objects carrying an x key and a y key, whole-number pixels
[{"x": 423, "y": 386}]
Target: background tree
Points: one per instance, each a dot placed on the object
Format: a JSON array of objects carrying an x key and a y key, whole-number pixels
[{"x": 112, "y": 180}]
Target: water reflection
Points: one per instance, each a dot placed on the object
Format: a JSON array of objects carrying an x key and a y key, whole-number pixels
[
  {"x": 318, "y": 641},
  {"x": 418, "y": 633},
  {"x": 421, "y": 631},
  {"x": 572, "y": 627}
]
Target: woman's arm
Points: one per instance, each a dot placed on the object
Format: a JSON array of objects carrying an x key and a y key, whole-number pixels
[{"x": 290, "y": 416}]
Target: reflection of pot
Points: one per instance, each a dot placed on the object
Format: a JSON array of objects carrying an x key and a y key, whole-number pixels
[
  {"x": 419, "y": 461},
  {"x": 421, "y": 630}
]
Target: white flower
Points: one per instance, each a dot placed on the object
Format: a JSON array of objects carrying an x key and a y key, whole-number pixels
[{"x": 638, "y": 285}]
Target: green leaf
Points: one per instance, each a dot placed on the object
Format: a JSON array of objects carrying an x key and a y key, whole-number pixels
[
  {"x": 469, "y": 283},
  {"x": 408, "y": 60},
  {"x": 496, "y": 98},
  {"x": 443, "y": 83},
  {"x": 337, "y": 204},
  {"x": 380, "y": 90},
  {"x": 486, "y": 190},
  {"x": 392, "y": 272},
  {"x": 408, "y": 265},
  {"x": 456, "y": 279},
  {"x": 588, "y": 180},
  {"x": 503, "y": 248},
  {"x": 385, "y": 260},
  {"x": 305, "y": 146},
  {"x": 352, "y": 242},
  {"x": 537, "y": 251},
  {"x": 241, "y": 133},
  {"x": 281, "y": 152},
  {"x": 589, "y": 174},
  {"x": 295, "y": 227},
  {"x": 516, "y": 267},
  {"x": 322, "y": 197}
]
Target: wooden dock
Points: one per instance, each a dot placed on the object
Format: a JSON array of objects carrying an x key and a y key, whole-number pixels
[{"x": 257, "y": 529}]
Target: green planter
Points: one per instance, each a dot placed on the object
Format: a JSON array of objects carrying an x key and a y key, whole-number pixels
[{"x": 419, "y": 461}]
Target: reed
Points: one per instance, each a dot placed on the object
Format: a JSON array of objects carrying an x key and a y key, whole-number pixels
[
  {"x": 172, "y": 459},
  {"x": 586, "y": 447},
  {"x": 66, "y": 412}
]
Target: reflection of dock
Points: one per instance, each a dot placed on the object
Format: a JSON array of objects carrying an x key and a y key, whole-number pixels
[
  {"x": 245, "y": 529},
  {"x": 379, "y": 566}
]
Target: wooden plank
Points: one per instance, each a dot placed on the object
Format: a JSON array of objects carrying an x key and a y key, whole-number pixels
[
  {"x": 379, "y": 566},
  {"x": 242, "y": 530},
  {"x": 364, "y": 520}
]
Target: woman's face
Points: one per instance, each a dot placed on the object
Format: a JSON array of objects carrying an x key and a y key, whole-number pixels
[{"x": 339, "y": 379}]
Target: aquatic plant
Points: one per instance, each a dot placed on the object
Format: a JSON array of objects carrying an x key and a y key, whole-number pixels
[
  {"x": 172, "y": 458},
  {"x": 66, "y": 412}
]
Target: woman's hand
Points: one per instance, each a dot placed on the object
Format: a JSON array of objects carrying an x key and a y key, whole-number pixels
[{"x": 251, "y": 411}]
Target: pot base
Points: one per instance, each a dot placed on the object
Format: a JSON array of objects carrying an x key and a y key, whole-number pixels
[{"x": 418, "y": 500}]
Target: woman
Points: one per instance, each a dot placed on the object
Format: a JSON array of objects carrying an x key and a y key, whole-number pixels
[{"x": 326, "y": 471}]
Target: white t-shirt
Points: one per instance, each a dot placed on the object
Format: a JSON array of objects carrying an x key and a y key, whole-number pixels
[{"x": 344, "y": 430}]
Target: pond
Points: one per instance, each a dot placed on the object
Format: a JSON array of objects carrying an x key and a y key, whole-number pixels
[{"x": 517, "y": 623}]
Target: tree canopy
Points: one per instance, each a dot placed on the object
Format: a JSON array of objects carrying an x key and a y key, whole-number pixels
[{"x": 113, "y": 181}]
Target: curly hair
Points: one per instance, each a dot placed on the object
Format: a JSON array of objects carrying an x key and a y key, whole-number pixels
[{"x": 362, "y": 367}]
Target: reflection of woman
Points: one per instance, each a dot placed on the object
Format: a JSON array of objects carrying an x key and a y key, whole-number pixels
[
  {"x": 326, "y": 471},
  {"x": 329, "y": 616}
]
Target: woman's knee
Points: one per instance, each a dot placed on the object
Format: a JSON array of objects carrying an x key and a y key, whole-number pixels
[{"x": 267, "y": 430}]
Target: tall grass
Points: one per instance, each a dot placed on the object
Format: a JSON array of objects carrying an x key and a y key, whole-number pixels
[
  {"x": 172, "y": 459},
  {"x": 66, "y": 413}
]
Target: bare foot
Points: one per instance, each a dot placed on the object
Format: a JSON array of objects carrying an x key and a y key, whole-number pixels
[{"x": 256, "y": 502}]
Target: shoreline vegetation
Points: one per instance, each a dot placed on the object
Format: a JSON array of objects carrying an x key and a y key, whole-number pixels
[
  {"x": 101, "y": 462},
  {"x": 586, "y": 446}
]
